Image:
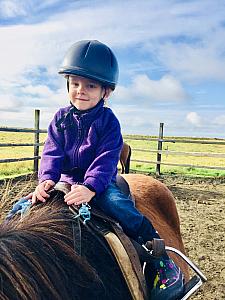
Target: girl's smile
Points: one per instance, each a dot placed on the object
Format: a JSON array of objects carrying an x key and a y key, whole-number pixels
[{"x": 85, "y": 93}]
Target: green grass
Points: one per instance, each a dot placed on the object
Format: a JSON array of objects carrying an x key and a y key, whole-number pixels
[
  {"x": 8, "y": 170},
  {"x": 177, "y": 159},
  {"x": 25, "y": 167}
]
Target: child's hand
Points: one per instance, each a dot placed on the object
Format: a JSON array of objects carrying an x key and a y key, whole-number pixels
[
  {"x": 40, "y": 192},
  {"x": 79, "y": 194},
  {"x": 29, "y": 196}
]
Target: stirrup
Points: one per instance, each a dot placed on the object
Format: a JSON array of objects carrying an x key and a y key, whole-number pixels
[
  {"x": 196, "y": 281},
  {"x": 157, "y": 248}
]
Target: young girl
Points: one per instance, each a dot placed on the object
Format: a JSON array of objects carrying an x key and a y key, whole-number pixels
[{"x": 83, "y": 148}]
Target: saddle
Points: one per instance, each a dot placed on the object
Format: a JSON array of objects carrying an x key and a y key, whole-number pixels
[
  {"x": 129, "y": 254},
  {"x": 122, "y": 247}
]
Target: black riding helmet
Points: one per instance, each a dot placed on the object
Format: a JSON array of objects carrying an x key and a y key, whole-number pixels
[{"x": 91, "y": 59}]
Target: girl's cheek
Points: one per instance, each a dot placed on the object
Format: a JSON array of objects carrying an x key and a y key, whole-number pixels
[{"x": 72, "y": 95}]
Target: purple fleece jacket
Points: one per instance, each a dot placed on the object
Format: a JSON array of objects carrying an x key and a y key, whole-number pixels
[{"x": 86, "y": 150}]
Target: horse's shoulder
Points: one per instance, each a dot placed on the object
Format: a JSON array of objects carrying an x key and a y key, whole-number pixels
[{"x": 147, "y": 188}]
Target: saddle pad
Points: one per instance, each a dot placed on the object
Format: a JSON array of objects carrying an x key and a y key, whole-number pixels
[
  {"x": 123, "y": 250},
  {"x": 125, "y": 265}
]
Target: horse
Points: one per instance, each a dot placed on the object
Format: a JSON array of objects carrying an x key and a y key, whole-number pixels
[
  {"x": 46, "y": 255},
  {"x": 125, "y": 156}
]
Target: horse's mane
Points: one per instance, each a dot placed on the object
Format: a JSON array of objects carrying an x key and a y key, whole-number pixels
[
  {"x": 44, "y": 251},
  {"x": 38, "y": 259}
]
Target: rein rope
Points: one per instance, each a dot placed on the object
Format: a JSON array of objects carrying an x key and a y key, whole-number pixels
[
  {"x": 84, "y": 212},
  {"x": 90, "y": 226},
  {"x": 77, "y": 237},
  {"x": 1, "y": 283}
]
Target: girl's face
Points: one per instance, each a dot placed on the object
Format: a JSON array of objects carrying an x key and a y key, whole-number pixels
[{"x": 85, "y": 93}]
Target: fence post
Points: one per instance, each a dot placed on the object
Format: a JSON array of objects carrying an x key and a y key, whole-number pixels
[
  {"x": 159, "y": 155},
  {"x": 36, "y": 139}
]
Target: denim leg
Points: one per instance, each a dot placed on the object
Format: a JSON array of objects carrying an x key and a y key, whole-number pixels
[
  {"x": 120, "y": 207},
  {"x": 20, "y": 206},
  {"x": 115, "y": 204}
]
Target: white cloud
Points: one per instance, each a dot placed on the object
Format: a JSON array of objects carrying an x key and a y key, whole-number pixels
[
  {"x": 194, "y": 119},
  {"x": 9, "y": 103},
  {"x": 38, "y": 91},
  {"x": 167, "y": 88},
  {"x": 10, "y": 8},
  {"x": 219, "y": 120},
  {"x": 26, "y": 47},
  {"x": 167, "y": 36},
  {"x": 46, "y": 43},
  {"x": 42, "y": 97},
  {"x": 193, "y": 61},
  {"x": 28, "y": 9},
  {"x": 145, "y": 89}
]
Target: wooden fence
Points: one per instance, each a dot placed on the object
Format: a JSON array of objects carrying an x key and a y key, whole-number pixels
[
  {"x": 36, "y": 143},
  {"x": 159, "y": 151}
]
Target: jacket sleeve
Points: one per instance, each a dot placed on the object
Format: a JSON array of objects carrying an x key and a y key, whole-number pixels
[
  {"x": 53, "y": 154},
  {"x": 100, "y": 172}
]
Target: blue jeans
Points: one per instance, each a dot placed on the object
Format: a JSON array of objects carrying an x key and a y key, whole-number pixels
[
  {"x": 114, "y": 203},
  {"x": 21, "y": 206}
]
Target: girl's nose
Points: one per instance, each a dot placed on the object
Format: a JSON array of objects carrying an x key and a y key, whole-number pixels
[{"x": 81, "y": 88}]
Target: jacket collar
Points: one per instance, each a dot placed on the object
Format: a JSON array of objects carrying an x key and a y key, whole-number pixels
[
  {"x": 89, "y": 113},
  {"x": 66, "y": 120}
]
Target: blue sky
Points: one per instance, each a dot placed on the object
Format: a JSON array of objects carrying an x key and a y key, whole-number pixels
[{"x": 171, "y": 56}]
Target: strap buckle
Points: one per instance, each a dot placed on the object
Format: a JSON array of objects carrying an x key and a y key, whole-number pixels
[{"x": 84, "y": 212}]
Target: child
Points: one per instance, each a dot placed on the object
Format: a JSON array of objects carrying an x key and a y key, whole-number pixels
[{"x": 83, "y": 148}]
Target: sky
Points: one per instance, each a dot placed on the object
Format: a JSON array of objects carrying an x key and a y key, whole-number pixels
[{"x": 171, "y": 56}]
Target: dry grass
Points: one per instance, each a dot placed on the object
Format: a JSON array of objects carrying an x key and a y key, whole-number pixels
[{"x": 11, "y": 191}]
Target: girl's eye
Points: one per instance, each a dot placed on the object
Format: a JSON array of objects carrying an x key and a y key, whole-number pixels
[
  {"x": 74, "y": 84},
  {"x": 91, "y": 86}
]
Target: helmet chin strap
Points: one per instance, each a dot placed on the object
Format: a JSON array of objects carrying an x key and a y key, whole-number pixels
[{"x": 104, "y": 93}]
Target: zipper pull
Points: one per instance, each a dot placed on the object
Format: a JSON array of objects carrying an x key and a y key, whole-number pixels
[{"x": 79, "y": 126}]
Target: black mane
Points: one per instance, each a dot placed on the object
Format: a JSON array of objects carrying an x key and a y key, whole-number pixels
[{"x": 38, "y": 258}]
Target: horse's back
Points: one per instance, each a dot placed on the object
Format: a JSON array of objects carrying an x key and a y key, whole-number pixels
[
  {"x": 152, "y": 196},
  {"x": 157, "y": 203}
]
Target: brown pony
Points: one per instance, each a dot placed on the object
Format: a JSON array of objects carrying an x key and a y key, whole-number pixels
[
  {"x": 157, "y": 203},
  {"x": 49, "y": 255},
  {"x": 125, "y": 155}
]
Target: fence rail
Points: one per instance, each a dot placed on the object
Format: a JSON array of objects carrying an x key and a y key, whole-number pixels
[
  {"x": 8, "y": 160},
  {"x": 28, "y": 130},
  {"x": 36, "y": 131},
  {"x": 177, "y": 140},
  {"x": 167, "y": 152},
  {"x": 159, "y": 151}
]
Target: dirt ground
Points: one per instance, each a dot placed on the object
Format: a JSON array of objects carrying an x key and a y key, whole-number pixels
[{"x": 201, "y": 206}]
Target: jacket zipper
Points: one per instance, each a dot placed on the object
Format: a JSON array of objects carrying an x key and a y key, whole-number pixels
[{"x": 80, "y": 140}]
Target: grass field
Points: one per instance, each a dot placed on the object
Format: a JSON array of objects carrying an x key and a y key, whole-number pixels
[
  {"x": 18, "y": 168},
  {"x": 178, "y": 159}
]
